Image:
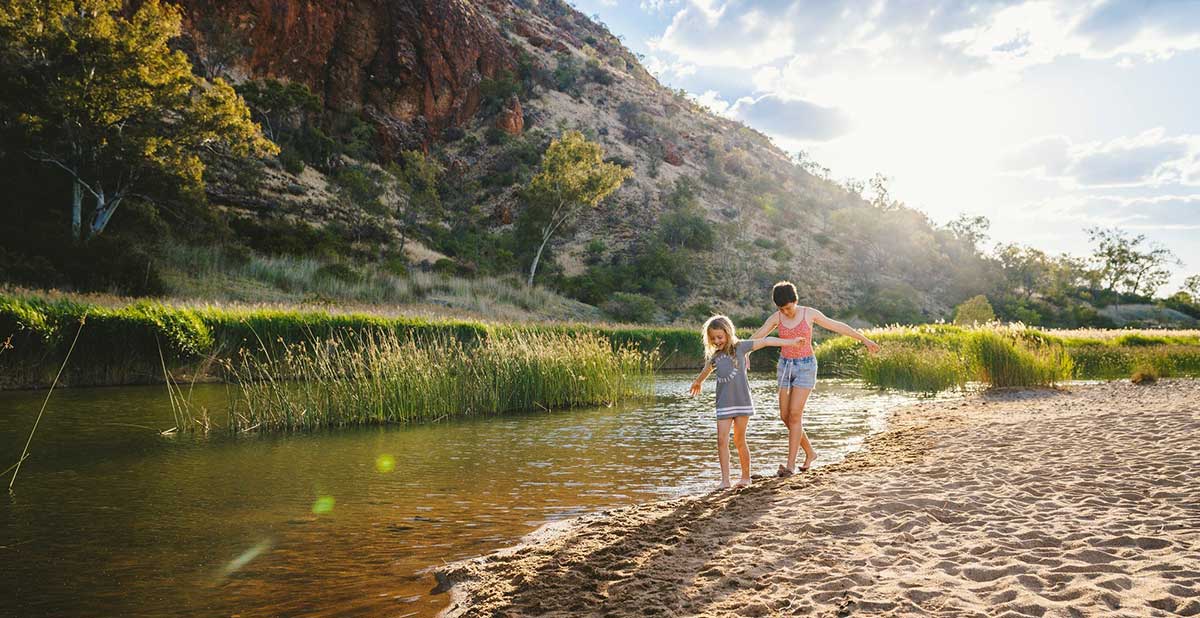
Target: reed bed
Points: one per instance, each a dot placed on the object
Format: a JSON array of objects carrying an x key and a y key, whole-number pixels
[
  {"x": 1002, "y": 361},
  {"x": 921, "y": 370},
  {"x": 363, "y": 378},
  {"x": 926, "y": 357},
  {"x": 123, "y": 343}
]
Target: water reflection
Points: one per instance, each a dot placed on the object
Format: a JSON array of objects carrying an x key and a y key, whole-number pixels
[{"x": 111, "y": 518}]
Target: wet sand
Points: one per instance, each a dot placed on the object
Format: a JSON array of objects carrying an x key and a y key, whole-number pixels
[{"x": 1023, "y": 503}]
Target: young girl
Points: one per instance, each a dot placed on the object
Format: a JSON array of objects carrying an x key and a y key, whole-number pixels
[
  {"x": 797, "y": 371},
  {"x": 730, "y": 358}
]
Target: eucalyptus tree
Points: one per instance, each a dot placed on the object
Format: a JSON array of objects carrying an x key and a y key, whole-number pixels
[
  {"x": 1132, "y": 261},
  {"x": 573, "y": 175},
  {"x": 94, "y": 90}
]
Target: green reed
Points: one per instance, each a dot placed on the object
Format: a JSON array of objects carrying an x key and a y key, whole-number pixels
[
  {"x": 934, "y": 357},
  {"x": 922, "y": 370},
  {"x": 1108, "y": 362},
  {"x": 359, "y": 378},
  {"x": 1001, "y": 360}
]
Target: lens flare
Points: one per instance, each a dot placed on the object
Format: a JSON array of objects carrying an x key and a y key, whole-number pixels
[
  {"x": 385, "y": 463},
  {"x": 324, "y": 504},
  {"x": 245, "y": 557}
]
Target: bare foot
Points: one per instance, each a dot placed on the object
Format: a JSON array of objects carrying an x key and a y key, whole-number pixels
[
  {"x": 742, "y": 483},
  {"x": 783, "y": 471},
  {"x": 723, "y": 485},
  {"x": 808, "y": 459}
]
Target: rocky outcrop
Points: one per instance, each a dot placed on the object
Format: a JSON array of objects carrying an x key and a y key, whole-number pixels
[
  {"x": 413, "y": 66},
  {"x": 671, "y": 154},
  {"x": 510, "y": 119}
]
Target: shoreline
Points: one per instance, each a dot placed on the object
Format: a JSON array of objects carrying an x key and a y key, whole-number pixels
[{"x": 948, "y": 511}]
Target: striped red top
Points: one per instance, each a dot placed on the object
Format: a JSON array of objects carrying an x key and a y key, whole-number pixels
[{"x": 803, "y": 329}]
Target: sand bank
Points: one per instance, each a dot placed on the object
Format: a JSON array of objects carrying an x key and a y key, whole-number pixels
[{"x": 1030, "y": 503}]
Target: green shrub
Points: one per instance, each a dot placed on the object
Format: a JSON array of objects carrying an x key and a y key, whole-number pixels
[
  {"x": 362, "y": 186},
  {"x": 291, "y": 161},
  {"x": 687, "y": 229},
  {"x": 630, "y": 308},
  {"x": 976, "y": 310},
  {"x": 566, "y": 74},
  {"x": 496, "y": 136},
  {"x": 495, "y": 92}
]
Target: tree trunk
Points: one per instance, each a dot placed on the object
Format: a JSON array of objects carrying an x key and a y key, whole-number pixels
[
  {"x": 537, "y": 257},
  {"x": 547, "y": 233},
  {"x": 104, "y": 212},
  {"x": 76, "y": 210}
]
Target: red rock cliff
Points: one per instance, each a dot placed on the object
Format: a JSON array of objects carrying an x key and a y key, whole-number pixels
[{"x": 414, "y": 66}]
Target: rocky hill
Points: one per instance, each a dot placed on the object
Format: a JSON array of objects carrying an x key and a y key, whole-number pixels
[{"x": 474, "y": 91}]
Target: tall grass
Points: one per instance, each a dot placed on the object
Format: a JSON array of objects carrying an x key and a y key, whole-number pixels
[
  {"x": 914, "y": 369},
  {"x": 123, "y": 342},
  {"x": 357, "y": 378},
  {"x": 1003, "y": 361},
  {"x": 920, "y": 358}
]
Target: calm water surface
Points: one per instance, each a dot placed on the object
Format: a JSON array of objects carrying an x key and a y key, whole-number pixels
[{"x": 108, "y": 517}]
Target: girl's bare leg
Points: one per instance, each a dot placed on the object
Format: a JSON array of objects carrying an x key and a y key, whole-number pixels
[
  {"x": 723, "y": 449},
  {"x": 739, "y": 439},
  {"x": 797, "y": 438}
]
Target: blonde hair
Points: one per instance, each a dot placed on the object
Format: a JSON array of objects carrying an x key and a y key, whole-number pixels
[{"x": 718, "y": 322}]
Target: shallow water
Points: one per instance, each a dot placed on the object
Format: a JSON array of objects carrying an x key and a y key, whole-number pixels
[{"x": 108, "y": 517}]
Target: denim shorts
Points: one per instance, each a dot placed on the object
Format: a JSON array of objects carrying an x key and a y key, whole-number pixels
[{"x": 797, "y": 372}]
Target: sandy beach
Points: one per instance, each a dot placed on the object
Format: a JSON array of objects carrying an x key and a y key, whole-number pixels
[{"x": 1083, "y": 502}]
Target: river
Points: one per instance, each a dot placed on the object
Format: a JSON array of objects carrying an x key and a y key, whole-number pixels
[{"x": 111, "y": 518}]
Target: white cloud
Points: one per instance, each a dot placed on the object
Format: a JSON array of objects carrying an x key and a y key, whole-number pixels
[
  {"x": 657, "y": 6},
  {"x": 1150, "y": 29},
  {"x": 712, "y": 100},
  {"x": 1047, "y": 156},
  {"x": 1161, "y": 212},
  {"x": 940, "y": 95},
  {"x": 736, "y": 34},
  {"x": 794, "y": 119},
  {"x": 666, "y": 70},
  {"x": 1151, "y": 158},
  {"x": 959, "y": 35}
]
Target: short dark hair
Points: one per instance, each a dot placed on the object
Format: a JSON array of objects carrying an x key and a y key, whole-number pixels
[{"x": 783, "y": 293}]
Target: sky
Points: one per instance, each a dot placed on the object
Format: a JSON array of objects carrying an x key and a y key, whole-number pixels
[{"x": 1045, "y": 117}]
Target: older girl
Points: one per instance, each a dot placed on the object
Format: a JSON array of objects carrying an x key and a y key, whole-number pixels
[
  {"x": 730, "y": 359},
  {"x": 797, "y": 371}
]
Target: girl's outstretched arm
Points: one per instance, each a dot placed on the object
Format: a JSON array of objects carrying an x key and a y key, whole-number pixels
[
  {"x": 776, "y": 342},
  {"x": 767, "y": 327},
  {"x": 843, "y": 329},
  {"x": 695, "y": 390}
]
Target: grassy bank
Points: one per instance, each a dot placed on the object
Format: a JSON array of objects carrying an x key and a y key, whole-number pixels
[
  {"x": 122, "y": 343},
  {"x": 934, "y": 357},
  {"x": 134, "y": 343}
]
